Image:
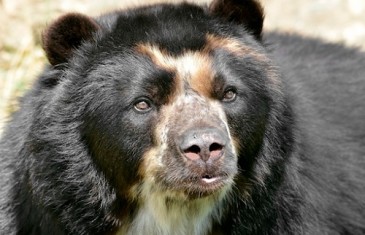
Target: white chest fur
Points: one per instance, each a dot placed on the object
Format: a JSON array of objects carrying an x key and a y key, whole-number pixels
[{"x": 161, "y": 216}]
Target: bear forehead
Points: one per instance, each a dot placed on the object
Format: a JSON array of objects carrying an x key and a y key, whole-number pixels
[
  {"x": 196, "y": 67},
  {"x": 175, "y": 27}
]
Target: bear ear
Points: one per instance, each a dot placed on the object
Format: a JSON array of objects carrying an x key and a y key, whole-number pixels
[
  {"x": 246, "y": 12},
  {"x": 65, "y": 35}
]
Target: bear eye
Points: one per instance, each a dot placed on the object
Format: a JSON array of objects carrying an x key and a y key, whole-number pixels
[
  {"x": 229, "y": 95},
  {"x": 143, "y": 105}
]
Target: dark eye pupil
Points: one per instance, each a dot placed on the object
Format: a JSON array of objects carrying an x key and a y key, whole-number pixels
[
  {"x": 142, "y": 106},
  {"x": 229, "y": 95}
]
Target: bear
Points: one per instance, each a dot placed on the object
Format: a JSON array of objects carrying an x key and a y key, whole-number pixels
[{"x": 181, "y": 119}]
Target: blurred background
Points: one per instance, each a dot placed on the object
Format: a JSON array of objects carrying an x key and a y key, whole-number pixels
[{"x": 22, "y": 22}]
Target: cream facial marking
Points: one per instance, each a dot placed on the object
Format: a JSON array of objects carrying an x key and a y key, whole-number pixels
[
  {"x": 194, "y": 67},
  {"x": 232, "y": 46}
]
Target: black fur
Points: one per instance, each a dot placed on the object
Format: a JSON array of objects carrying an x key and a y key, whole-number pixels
[{"x": 72, "y": 151}]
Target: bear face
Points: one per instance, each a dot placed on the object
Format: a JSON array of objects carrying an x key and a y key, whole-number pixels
[
  {"x": 162, "y": 112},
  {"x": 167, "y": 102}
]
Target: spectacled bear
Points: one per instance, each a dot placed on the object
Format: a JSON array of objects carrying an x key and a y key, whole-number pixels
[{"x": 177, "y": 119}]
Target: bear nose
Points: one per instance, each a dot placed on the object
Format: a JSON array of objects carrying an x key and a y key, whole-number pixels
[{"x": 204, "y": 144}]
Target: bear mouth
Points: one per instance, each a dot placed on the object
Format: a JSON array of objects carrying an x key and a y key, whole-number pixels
[
  {"x": 206, "y": 185},
  {"x": 208, "y": 179}
]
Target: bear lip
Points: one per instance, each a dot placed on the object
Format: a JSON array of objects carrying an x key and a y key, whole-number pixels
[
  {"x": 206, "y": 186},
  {"x": 211, "y": 183},
  {"x": 209, "y": 179}
]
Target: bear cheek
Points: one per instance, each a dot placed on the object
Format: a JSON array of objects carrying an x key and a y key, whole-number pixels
[{"x": 157, "y": 159}]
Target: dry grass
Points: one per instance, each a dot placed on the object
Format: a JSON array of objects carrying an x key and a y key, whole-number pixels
[{"x": 21, "y": 56}]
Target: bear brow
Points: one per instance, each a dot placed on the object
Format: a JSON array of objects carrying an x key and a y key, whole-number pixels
[
  {"x": 159, "y": 57},
  {"x": 192, "y": 67},
  {"x": 232, "y": 46}
]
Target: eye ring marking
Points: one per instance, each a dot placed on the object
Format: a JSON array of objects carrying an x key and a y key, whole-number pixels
[
  {"x": 142, "y": 105},
  {"x": 229, "y": 95}
]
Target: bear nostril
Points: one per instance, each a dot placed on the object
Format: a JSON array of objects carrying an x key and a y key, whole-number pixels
[
  {"x": 193, "y": 149},
  {"x": 215, "y": 147},
  {"x": 215, "y": 150},
  {"x": 192, "y": 152}
]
